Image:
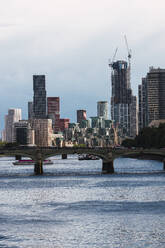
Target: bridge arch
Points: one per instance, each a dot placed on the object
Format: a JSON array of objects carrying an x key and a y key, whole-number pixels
[{"x": 38, "y": 154}]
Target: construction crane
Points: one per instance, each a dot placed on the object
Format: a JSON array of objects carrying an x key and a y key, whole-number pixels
[
  {"x": 113, "y": 58},
  {"x": 128, "y": 50}
]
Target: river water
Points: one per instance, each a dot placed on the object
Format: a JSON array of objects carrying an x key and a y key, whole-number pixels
[{"x": 74, "y": 206}]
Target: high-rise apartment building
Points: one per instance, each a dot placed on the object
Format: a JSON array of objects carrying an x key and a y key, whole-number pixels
[
  {"x": 53, "y": 110},
  {"x": 123, "y": 106},
  {"x": 81, "y": 115},
  {"x": 152, "y": 97},
  {"x": 14, "y": 115},
  {"x": 39, "y": 98},
  {"x": 102, "y": 109}
]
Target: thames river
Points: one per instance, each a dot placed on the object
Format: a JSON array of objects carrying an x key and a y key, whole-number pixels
[{"x": 74, "y": 206}]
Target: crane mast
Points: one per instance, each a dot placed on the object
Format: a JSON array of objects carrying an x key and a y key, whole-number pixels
[
  {"x": 129, "y": 61},
  {"x": 128, "y": 50},
  {"x": 113, "y": 58}
]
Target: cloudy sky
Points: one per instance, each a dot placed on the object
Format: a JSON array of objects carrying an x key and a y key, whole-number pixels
[{"x": 70, "y": 41}]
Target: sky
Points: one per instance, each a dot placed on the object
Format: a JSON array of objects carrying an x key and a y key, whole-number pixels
[{"x": 71, "y": 42}]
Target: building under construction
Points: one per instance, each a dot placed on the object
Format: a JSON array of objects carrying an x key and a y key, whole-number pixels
[{"x": 123, "y": 103}]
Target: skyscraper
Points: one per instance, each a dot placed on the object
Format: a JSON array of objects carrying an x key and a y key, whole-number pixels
[
  {"x": 39, "y": 98},
  {"x": 152, "y": 97},
  {"x": 156, "y": 94},
  {"x": 123, "y": 104},
  {"x": 102, "y": 109}
]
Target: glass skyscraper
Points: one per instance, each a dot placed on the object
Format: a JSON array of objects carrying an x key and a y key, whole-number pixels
[{"x": 39, "y": 98}]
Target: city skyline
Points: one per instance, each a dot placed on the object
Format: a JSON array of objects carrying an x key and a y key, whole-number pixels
[{"x": 59, "y": 44}]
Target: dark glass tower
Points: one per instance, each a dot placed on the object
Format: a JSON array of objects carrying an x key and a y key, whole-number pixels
[{"x": 39, "y": 98}]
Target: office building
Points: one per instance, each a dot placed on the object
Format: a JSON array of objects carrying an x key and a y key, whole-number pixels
[
  {"x": 152, "y": 97},
  {"x": 102, "y": 109},
  {"x": 155, "y": 94},
  {"x": 39, "y": 98}
]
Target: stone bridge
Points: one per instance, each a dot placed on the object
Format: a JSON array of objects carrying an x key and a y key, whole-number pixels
[{"x": 39, "y": 154}]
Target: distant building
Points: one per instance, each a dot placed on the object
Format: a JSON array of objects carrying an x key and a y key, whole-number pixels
[
  {"x": 30, "y": 110},
  {"x": 97, "y": 122},
  {"x": 23, "y": 133},
  {"x": 133, "y": 117},
  {"x": 43, "y": 131},
  {"x": 155, "y": 94},
  {"x": 14, "y": 115},
  {"x": 39, "y": 98},
  {"x": 122, "y": 99},
  {"x": 63, "y": 124},
  {"x": 81, "y": 115},
  {"x": 102, "y": 109},
  {"x": 142, "y": 94},
  {"x": 53, "y": 110},
  {"x": 156, "y": 123},
  {"x": 3, "y": 135},
  {"x": 152, "y": 97}
]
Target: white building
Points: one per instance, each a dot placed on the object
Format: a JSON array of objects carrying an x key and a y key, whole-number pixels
[{"x": 14, "y": 115}]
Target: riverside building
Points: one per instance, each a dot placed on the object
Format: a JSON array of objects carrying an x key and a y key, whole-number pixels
[{"x": 152, "y": 97}]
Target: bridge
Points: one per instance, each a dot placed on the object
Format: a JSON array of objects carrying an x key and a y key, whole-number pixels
[{"x": 39, "y": 154}]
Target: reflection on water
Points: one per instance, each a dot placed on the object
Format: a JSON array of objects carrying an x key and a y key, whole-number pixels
[{"x": 74, "y": 205}]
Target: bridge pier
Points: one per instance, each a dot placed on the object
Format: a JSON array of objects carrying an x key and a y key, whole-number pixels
[
  {"x": 107, "y": 167},
  {"x": 38, "y": 167},
  {"x": 64, "y": 156}
]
